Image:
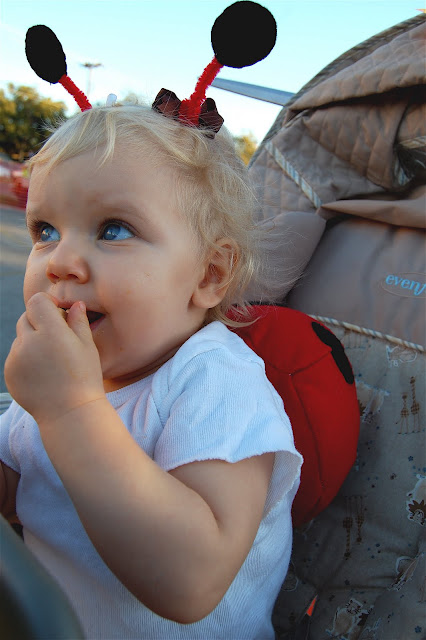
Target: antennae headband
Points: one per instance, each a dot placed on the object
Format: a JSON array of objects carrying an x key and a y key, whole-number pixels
[{"x": 233, "y": 47}]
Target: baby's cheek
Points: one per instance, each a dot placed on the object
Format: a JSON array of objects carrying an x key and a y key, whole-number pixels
[
  {"x": 126, "y": 300},
  {"x": 136, "y": 289},
  {"x": 32, "y": 282}
]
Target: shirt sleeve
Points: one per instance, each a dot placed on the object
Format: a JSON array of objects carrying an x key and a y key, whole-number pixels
[
  {"x": 222, "y": 406},
  {"x": 8, "y": 421}
]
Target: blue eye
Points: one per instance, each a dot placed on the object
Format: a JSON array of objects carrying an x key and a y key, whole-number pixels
[
  {"x": 116, "y": 231},
  {"x": 47, "y": 232}
]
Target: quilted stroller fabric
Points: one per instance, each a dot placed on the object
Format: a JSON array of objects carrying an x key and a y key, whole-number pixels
[{"x": 342, "y": 177}]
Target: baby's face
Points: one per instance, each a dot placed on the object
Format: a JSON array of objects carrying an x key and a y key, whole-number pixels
[{"x": 113, "y": 238}]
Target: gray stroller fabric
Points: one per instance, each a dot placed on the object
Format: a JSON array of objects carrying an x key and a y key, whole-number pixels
[{"x": 341, "y": 178}]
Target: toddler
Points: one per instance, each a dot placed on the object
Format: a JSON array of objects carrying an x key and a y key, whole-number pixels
[{"x": 151, "y": 461}]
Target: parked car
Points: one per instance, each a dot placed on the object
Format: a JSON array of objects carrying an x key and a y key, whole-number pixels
[{"x": 14, "y": 181}]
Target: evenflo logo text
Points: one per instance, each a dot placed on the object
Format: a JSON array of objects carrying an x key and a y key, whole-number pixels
[{"x": 406, "y": 284}]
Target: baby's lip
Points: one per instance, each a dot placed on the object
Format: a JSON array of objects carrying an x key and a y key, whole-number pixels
[
  {"x": 65, "y": 304},
  {"x": 92, "y": 314}
]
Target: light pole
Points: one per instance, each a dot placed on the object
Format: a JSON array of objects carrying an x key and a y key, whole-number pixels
[{"x": 89, "y": 66}]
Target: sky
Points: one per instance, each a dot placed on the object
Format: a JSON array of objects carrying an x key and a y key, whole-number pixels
[{"x": 144, "y": 45}]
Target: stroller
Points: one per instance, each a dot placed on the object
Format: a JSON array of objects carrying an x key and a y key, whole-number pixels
[{"x": 342, "y": 177}]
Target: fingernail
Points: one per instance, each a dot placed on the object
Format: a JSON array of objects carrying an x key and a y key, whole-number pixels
[{"x": 82, "y": 306}]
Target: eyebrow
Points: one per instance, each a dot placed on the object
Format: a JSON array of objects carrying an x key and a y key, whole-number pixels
[
  {"x": 118, "y": 206},
  {"x": 123, "y": 209},
  {"x": 101, "y": 208}
]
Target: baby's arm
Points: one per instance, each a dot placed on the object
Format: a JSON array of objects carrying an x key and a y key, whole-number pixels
[
  {"x": 176, "y": 540},
  {"x": 8, "y": 485}
]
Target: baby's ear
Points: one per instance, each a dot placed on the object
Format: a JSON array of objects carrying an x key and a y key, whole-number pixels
[{"x": 217, "y": 274}]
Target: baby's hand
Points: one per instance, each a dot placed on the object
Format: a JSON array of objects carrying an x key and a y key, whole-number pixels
[{"x": 53, "y": 365}]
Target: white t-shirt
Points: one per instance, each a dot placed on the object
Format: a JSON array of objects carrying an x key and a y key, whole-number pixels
[{"x": 212, "y": 400}]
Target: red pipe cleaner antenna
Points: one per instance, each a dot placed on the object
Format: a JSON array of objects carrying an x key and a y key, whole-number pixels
[
  {"x": 78, "y": 95},
  {"x": 233, "y": 47},
  {"x": 190, "y": 108}
]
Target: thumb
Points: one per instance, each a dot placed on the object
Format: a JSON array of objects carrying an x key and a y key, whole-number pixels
[{"x": 77, "y": 320}]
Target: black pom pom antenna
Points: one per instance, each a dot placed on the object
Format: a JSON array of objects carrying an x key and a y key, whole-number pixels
[
  {"x": 233, "y": 47},
  {"x": 243, "y": 34}
]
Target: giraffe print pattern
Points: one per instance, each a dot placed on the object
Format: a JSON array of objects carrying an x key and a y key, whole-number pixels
[{"x": 364, "y": 556}]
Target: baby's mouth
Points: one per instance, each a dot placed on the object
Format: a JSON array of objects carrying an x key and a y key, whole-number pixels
[{"x": 92, "y": 316}]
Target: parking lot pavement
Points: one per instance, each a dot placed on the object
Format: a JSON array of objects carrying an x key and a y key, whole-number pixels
[{"x": 15, "y": 246}]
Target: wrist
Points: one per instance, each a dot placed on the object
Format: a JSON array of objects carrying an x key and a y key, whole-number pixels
[{"x": 62, "y": 417}]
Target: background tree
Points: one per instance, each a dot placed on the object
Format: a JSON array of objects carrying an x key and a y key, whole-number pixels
[
  {"x": 24, "y": 117},
  {"x": 246, "y": 145}
]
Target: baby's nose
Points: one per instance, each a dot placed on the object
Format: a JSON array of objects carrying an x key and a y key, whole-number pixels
[{"x": 67, "y": 262}]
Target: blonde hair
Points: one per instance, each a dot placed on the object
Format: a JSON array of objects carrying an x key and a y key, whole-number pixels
[{"x": 213, "y": 189}]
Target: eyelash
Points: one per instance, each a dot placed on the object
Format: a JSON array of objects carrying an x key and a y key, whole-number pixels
[{"x": 35, "y": 226}]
